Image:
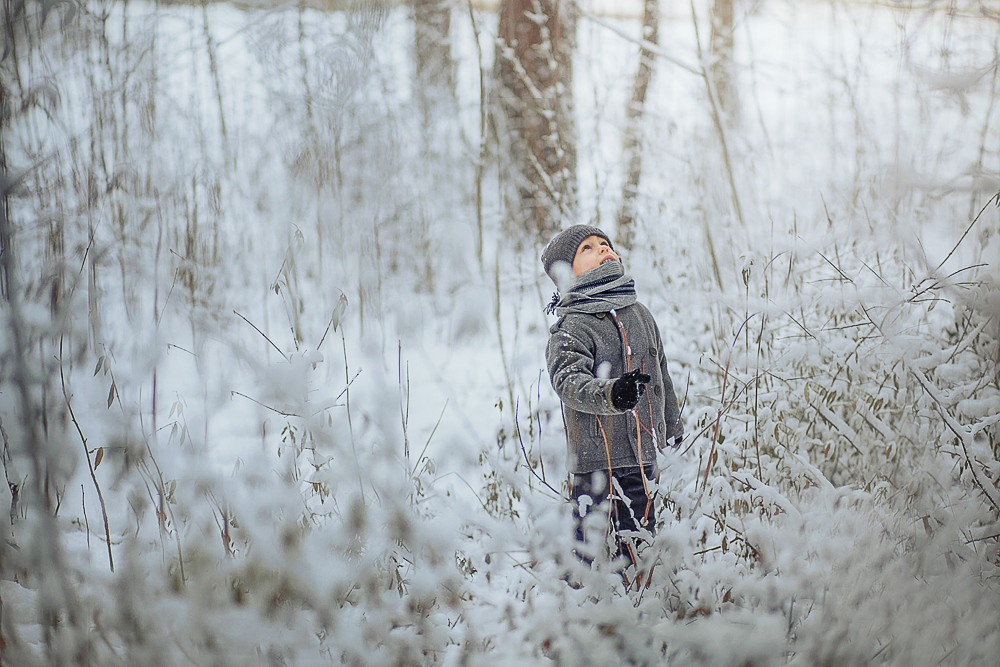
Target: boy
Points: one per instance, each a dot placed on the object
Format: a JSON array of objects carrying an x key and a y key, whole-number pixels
[{"x": 607, "y": 365}]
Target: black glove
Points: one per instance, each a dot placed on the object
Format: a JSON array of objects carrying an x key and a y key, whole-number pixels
[
  {"x": 627, "y": 389},
  {"x": 677, "y": 440}
]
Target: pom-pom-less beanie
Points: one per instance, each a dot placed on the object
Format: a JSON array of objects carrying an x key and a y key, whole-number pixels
[{"x": 563, "y": 246}]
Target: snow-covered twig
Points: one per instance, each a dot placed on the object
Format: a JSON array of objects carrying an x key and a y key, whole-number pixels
[
  {"x": 722, "y": 399},
  {"x": 964, "y": 437},
  {"x": 769, "y": 494},
  {"x": 718, "y": 423}
]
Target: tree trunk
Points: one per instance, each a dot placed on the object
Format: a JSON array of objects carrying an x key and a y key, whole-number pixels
[
  {"x": 435, "y": 87},
  {"x": 533, "y": 68},
  {"x": 721, "y": 49},
  {"x": 632, "y": 148},
  {"x": 7, "y": 60}
]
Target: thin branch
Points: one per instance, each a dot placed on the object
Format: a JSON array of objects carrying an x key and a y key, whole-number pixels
[
  {"x": 262, "y": 334},
  {"x": 430, "y": 437},
  {"x": 334, "y": 322},
  {"x": 163, "y": 310},
  {"x": 404, "y": 410},
  {"x": 165, "y": 507},
  {"x": 527, "y": 461},
  {"x": 646, "y": 46},
  {"x": 86, "y": 455},
  {"x": 264, "y": 405},
  {"x": 718, "y": 424},
  {"x": 995, "y": 200},
  {"x": 344, "y": 390}
]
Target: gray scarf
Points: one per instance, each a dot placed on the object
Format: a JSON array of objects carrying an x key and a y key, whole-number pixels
[{"x": 596, "y": 291}]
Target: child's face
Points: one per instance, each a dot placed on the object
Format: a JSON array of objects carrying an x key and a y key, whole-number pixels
[{"x": 591, "y": 253}]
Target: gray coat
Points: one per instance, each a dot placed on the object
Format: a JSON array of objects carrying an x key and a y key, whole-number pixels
[{"x": 595, "y": 430}]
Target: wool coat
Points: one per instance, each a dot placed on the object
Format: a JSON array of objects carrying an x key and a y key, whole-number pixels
[{"x": 586, "y": 353}]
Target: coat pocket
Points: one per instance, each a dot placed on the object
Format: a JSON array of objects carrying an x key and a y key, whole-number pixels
[
  {"x": 593, "y": 426},
  {"x": 581, "y": 426}
]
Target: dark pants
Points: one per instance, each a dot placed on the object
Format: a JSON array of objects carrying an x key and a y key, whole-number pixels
[{"x": 633, "y": 512}]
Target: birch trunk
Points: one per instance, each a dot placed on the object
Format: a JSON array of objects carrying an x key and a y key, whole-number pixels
[{"x": 632, "y": 149}]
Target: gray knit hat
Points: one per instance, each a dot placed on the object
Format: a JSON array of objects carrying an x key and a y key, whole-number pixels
[{"x": 563, "y": 246}]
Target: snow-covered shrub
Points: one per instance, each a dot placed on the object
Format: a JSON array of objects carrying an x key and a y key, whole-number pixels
[{"x": 854, "y": 402}]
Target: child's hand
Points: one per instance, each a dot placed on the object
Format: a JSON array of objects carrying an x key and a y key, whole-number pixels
[{"x": 627, "y": 389}]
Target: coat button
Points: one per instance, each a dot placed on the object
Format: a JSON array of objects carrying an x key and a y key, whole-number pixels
[
  {"x": 652, "y": 351},
  {"x": 600, "y": 316},
  {"x": 656, "y": 389}
]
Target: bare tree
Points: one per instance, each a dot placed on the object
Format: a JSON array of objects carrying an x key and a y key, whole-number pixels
[
  {"x": 533, "y": 68},
  {"x": 435, "y": 68},
  {"x": 720, "y": 44},
  {"x": 632, "y": 148},
  {"x": 717, "y": 120},
  {"x": 13, "y": 13}
]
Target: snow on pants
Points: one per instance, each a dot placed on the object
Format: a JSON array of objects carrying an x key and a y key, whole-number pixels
[{"x": 632, "y": 512}]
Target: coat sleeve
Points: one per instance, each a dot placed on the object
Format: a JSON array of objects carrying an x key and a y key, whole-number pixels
[
  {"x": 571, "y": 370},
  {"x": 671, "y": 409}
]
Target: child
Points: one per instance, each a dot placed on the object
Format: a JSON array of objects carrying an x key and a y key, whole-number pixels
[{"x": 607, "y": 365}]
